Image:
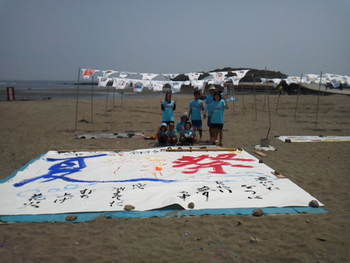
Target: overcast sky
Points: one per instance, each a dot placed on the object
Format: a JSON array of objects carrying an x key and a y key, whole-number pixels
[{"x": 51, "y": 39}]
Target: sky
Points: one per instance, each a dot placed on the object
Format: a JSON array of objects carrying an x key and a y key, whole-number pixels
[{"x": 50, "y": 40}]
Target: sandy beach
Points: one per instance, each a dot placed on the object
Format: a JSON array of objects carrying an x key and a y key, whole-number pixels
[{"x": 29, "y": 128}]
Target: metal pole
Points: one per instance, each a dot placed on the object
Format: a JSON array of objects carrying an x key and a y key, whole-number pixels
[
  {"x": 77, "y": 100},
  {"x": 92, "y": 100},
  {"x": 298, "y": 95},
  {"x": 318, "y": 99}
]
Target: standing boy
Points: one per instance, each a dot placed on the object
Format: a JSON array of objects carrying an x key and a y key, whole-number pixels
[
  {"x": 195, "y": 113},
  {"x": 208, "y": 107}
]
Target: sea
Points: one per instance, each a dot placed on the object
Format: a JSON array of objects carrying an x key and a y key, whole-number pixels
[{"x": 47, "y": 90}]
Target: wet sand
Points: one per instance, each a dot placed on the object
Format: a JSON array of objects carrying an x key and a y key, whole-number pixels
[{"x": 29, "y": 128}]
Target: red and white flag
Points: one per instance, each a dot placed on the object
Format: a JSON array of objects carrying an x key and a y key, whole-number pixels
[{"x": 88, "y": 73}]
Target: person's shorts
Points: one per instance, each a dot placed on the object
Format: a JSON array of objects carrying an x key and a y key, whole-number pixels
[
  {"x": 217, "y": 126},
  {"x": 208, "y": 121},
  {"x": 197, "y": 124}
]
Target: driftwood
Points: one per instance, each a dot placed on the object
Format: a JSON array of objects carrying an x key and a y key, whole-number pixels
[{"x": 202, "y": 149}]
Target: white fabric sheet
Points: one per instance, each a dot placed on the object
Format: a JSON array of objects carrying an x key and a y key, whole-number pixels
[
  {"x": 147, "y": 179},
  {"x": 315, "y": 138}
]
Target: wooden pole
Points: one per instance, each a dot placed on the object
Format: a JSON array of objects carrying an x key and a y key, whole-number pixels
[
  {"x": 234, "y": 96},
  {"x": 190, "y": 149},
  {"x": 92, "y": 100},
  {"x": 318, "y": 99},
  {"x": 113, "y": 97},
  {"x": 278, "y": 101},
  {"x": 77, "y": 101},
  {"x": 121, "y": 98},
  {"x": 297, "y": 100},
  {"x": 107, "y": 95},
  {"x": 243, "y": 100},
  {"x": 269, "y": 115},
  {"x": 255, "y": 104}
]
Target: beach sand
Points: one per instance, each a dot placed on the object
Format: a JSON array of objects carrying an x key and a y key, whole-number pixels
[{"x": 29, "y": 128}]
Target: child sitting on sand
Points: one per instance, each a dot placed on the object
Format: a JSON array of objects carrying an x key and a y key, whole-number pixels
[
  {"x": 181, "y": 125},
  {"x": 188, "y": 135},
  {"x": 162, "y": 134},
  {"x": 172, "y": 134}
]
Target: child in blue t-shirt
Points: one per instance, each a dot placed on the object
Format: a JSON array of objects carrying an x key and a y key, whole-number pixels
[
  {"x": 217, "y": 118},
  {"x": 162, "y": 134},
  {"x": 208, "y": 107},
  {"x": 168, "y": 107},
  {"x": 172, "y": 134},
  {"x": 196, "y": 107},
  {"x": 188, "y": 135},
  {"x": 181, "y": 125}
]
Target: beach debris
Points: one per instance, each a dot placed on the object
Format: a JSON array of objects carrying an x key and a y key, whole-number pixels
[
  {"x": 261, "y": 154},
  {"x": 186, "y": 234},
  {"x": 253, "y": 239},
  {"x": 3, "y": 243},
  {"x": 83, "y": 121},
  {"x": 190, "y": 205},
  {"x": 278, "y": 174},
  {"x": 314, "y": 203},
  {"x": 321, "y": 239},
  {"x": 258, "y": 212},
  {"x": 265, "y": 148},
  {"x": 152, "y": 137},
  {"x": 239, "y": 223},
  {"x": 129, "y": 207},
  {"x": 105, "y": 135},
  {"x": 71, "y": 218}
]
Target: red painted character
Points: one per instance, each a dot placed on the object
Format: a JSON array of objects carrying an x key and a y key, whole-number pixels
[{"x": 194, "y": 163}]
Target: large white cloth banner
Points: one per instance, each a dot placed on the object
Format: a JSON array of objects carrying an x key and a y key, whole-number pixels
[
  {"x": 87, "y": 73},
  {"x": 314, "y": 138},
  {"x": 327, "y": 78},
  {"x": 148, "y": 76},
  {"x": 198, "y": 84},
  {"x": 107, "y": 73},
  {"x": 138, "y": 87},
  {"x": 176, "y": 86},
  {"x": 157, "y": 85},
  {"x": 123, "y": 74},
  {"x": 193, "y": 75},
  {"x": 147, "y": 179},
  {"x": 218, "y": 76},
  {"x": 120, "y": 83},
  {"x": 103, "y": 81}
]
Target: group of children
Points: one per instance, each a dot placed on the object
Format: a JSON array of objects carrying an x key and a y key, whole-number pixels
[{"x": 185, "y": 132}]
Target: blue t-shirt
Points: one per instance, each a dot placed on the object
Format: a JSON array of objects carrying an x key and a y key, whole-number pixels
[
  {"x": 209, "y": 102},
  {"x": 180, "y": 127},
  {"x": 172, "y": 133},
  {"x": 196, "y": 109},
  {"x": 168, "y": 111},
  {"x": 188, "y": 133},
  {"x": 162, "y": 133},
  {"x": 218, "y": 108}
]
